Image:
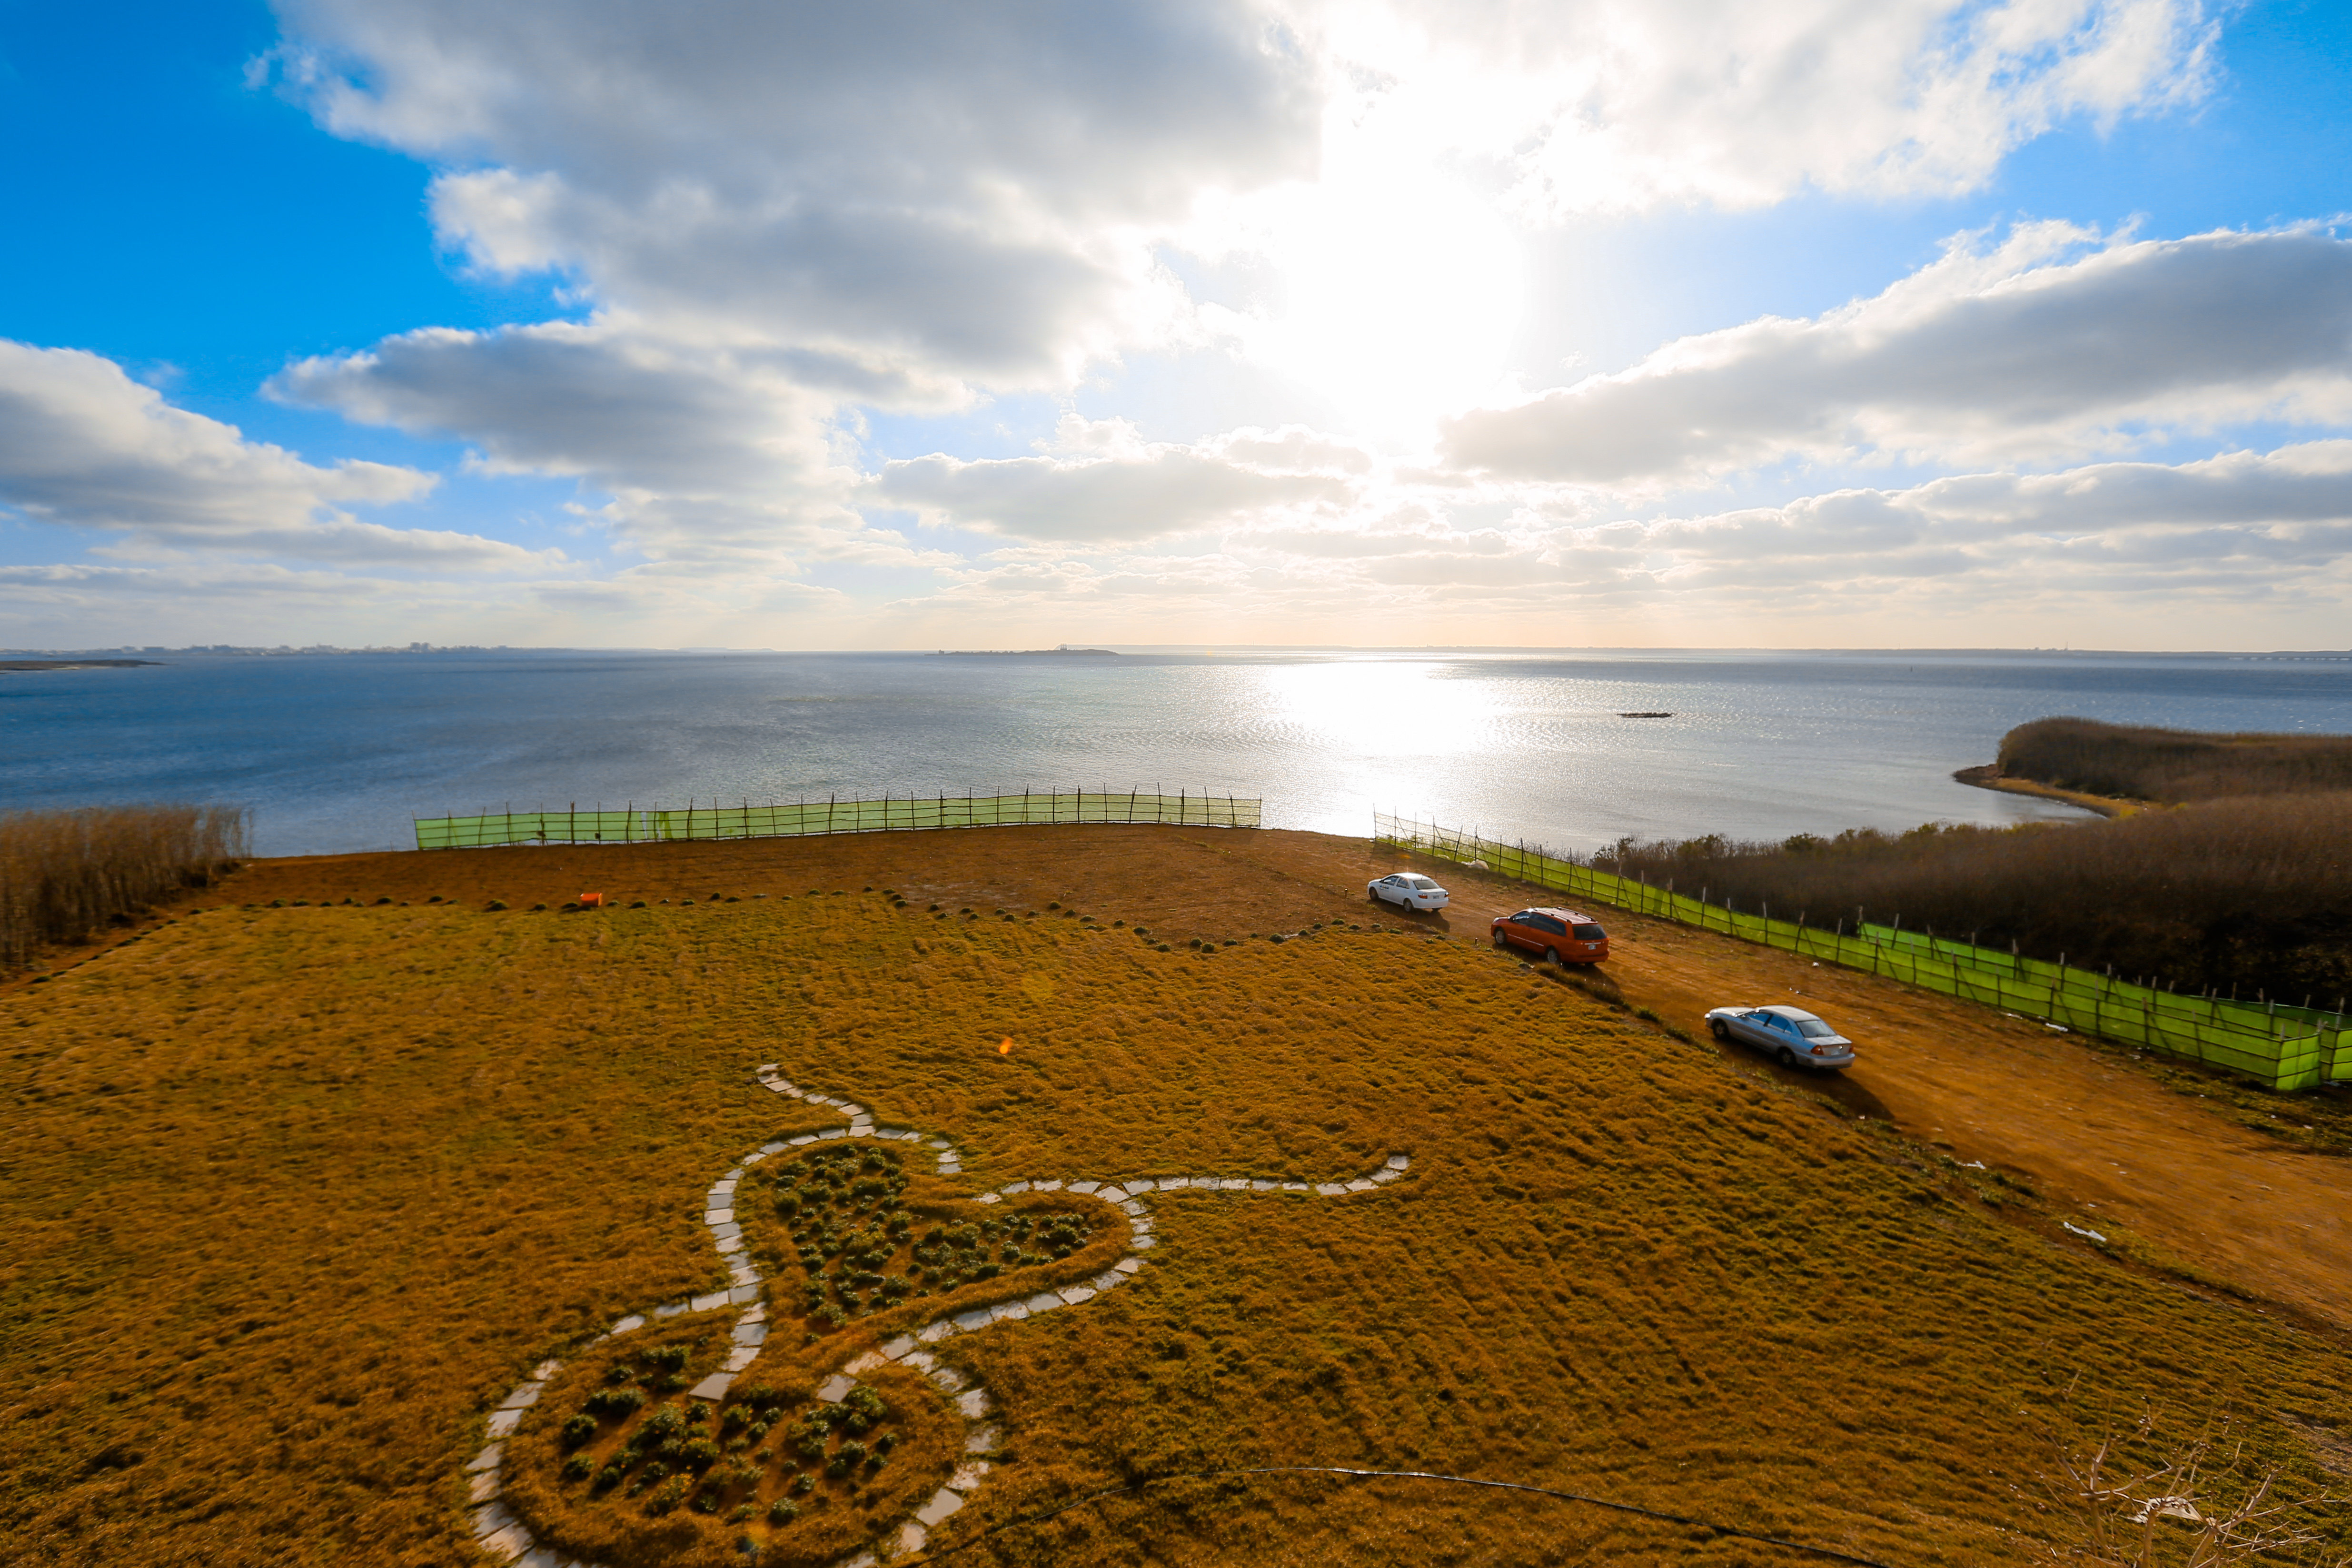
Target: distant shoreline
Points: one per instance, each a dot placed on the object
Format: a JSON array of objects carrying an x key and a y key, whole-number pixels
[
  {"x": 1023, "y": 653},
  {"x": 40, "y": 664}
]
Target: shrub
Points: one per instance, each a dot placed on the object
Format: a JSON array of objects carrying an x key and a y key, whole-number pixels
[
  {"x": 803, "y": 1483},
  {"x": 580, "y": 1429},
  {"x": 613, "y": 1402},
  {"x": 666, "y": 1495},
  {"x": 498, "y": 903},
  {"x": 668, "y": 1358},
  {"x": 782, "y": 1511},
  {"x": 578, "y": 1468},
  {"x": 700, "y": 1455}
]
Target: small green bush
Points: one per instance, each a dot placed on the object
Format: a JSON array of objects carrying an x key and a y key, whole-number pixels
[
  {"x": 783, "y": 1511},
  {"x": 539, "y": 909},
  {"x": 498, "y": 903},
  {"x": 578, "y": 1468},
  {"x": 666, "y": 1495},
  {"x": 613, "y": 1402},
  {"x": 579, "y": 1430}
]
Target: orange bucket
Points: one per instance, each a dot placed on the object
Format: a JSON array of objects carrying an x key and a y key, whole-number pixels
[{"x": 592, "y": 901}]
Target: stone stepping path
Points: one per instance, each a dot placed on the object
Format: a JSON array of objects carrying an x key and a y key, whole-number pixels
[{"x": 507, "y": 1539}]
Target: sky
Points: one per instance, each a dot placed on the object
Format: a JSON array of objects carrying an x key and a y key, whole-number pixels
[{"x": 1753, "y": 323}]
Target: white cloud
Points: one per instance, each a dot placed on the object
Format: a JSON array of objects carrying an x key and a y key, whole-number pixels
[
  {"x": 1120, "y": 487},
  {"x": 1984, "y": 356},
  {"x": 83, "y": 445}
]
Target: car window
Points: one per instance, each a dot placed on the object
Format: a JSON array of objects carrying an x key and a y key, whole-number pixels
[
  {"x": 1814, "y": 1029},
  {"x": 1589, "y": 932}
]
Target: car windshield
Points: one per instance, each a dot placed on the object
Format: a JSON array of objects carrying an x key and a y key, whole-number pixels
[
  {"x": 1589, "y": 933},
  {"x": 1814, "y": 1029}
]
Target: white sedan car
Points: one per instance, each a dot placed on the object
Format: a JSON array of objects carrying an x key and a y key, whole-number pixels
[
  {"x": 1789, "y": 1036},
  {"x": 1409, "y": 889}
]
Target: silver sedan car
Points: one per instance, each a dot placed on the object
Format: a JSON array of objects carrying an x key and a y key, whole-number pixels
[
  {"x": 1408, "y": 890},
  {"x": 1789, "y": 1036}
]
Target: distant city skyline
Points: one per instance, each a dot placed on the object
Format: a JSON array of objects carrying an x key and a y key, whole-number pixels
[{"x": 1803, "y": 325}]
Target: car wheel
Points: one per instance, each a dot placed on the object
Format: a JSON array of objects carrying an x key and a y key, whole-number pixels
[
  {"x": 1787, "y": 1058},
  {"x": 1501, "y": 942},
  {"x": 1717, "y": 1027},
  {"x": 1551, "y": 955}
]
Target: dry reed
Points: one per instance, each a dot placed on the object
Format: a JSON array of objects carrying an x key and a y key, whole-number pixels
[
  {"x": 2176, "y": 766},
  {"x": 64, "y": 874},
  {"x": 2252, "y": 895}
]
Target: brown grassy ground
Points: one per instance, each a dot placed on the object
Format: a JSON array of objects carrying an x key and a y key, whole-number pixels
[{"x": 295, "y": 1194}]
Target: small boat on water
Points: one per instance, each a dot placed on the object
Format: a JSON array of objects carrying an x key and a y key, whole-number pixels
[{"x": 1645, "y": 715}]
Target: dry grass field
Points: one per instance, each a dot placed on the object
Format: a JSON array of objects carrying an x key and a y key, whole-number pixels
[{"x": 294, "y": 1195}]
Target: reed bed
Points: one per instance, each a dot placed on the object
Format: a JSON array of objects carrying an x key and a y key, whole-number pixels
[
  {"x": 2173, "y": 765},
  {"x": 64, "y": 874},
  {"x": 2250, "y": 896}
]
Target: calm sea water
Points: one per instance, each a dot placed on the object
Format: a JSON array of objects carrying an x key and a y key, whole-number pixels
[{"x": 337, "y": 753}]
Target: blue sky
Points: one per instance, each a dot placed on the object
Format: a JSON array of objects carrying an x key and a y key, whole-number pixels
[{"x": 1800, "y": 324}]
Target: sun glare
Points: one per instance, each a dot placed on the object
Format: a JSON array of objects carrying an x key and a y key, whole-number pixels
[{"x": 1400, "y": 290}]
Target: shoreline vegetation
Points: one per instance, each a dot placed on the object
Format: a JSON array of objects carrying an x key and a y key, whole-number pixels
[
  {"x": 2225, "y": 865},
  {"x": 65, "y": 874}
]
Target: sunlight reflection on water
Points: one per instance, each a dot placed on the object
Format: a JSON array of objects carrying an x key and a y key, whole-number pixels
[{"x": 340, "y": 753}]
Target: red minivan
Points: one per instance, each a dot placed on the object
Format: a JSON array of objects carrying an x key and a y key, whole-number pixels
[{"x": 1562, "y": 936}]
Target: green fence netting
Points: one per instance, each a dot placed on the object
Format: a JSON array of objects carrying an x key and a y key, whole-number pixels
[
  {"x": 2285, "y": 1047},
  {"x": 655, "y": 824}
]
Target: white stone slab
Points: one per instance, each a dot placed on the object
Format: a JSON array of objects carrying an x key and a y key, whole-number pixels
[
  {"x": 546, "y": 1370},
  {"x": 856, "y": 1113},
  {"x": 715, "y": 1386},
  {"x": 1328, "y": 1189},
  {"x": 900, "y": 1348},
  {"x": 942, "y": 1143},
  {"x": 1297, "y": 1187},
  {"x": 729, "y": 1245},
  {"x": 507, "y": 1544},
  {"x": 755, "y": 1313},
  {"x": 1045, "y": 1301},
  {"x": 1011, "y": 1188},
  {"x": 1128, "y": 1265},
  {"x": 671, "y": 1310},
  {"x": 835, "y": 1133},
  {"x": 707, "y": 1303},
  {"x": 490, "y": 1519},
  {"x": 1360, "y": 1184},
  {"x": 949, "y": 1379},
  {"x": 779, "y": 1088},
  {"x": 1108, "y": 1280},
  {"x": 742, "y": 1294},
  {"x": 541, "y": 1557},
  {"x": 1145, "y": 1186},
  {"x": 866, "y": 1363},
  {"x": 488, "y": 1459},
  {"x": 1174, "y": 1184},
  {"x": 951, "y": 1168},
  {"x": 740, "y": 1357},
  {"x": 1263, "y": 1186},
  {"x": 835, "y": 1389},
  {"x": 967, "y": 1477},
  {"x": 1080, "y": 1187},
  {"x": 755, "y": 1156},
  {"x": 1399, "y": 1162},
  {"x": 1144, "y": 1243},
  {"x": 483, "y": 1488},
  {"x": 504, "y": 1421},
  {"x": 1008, "y": 1312},
  {"x": 1074, "y": 1294},
  {"x": 796, "y": 1143},
  {"x": 740, "y": 1275},
  {"x": 973, "y": 1403},
  {"x": 983, "y": 1441},
  {"x": 717, "y": 1216},
  {"x": 1110, "y": 1194},
  {"x": 933, "y": 1332},
  {"x": 750, "y": 1333},
  {"x": 1134, "y": 1205},
  {"x": 731, "y": 1177},
  {"x": 1046, "y": 1186},
  {"x": 1384, "y": 1174},
  {"x": 776, "y": 1147},
  {"x": 764, "y": 1068},
  {"x": 911, "y": 1537},
  {"x": 921, "y": 1360},
  {"x": 978, "y": 1318},
  {"x": 725, "y": 1230},
  {"x": 524, "y": 1396},
  {"x": 943, "y": 1503},
  {"x": 990, "y": 1198}
]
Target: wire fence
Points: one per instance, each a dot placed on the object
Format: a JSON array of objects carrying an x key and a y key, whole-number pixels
[
  {"x": 2283, "y": 1047},
  {"x": 634, "y": 823}
]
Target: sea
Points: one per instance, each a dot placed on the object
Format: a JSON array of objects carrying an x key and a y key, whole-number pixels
[{"x": 339, "y": 752}]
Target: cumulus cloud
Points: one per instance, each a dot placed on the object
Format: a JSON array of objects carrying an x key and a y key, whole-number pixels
[
  {"x": 1120, "y": 486},
  {"x": 83, "y": 445},
  {"x": 2016, "y": 351},
  {"x": 1613, "y": 106}
]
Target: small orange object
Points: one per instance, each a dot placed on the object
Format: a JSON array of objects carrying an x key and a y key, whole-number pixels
[
  {"x": 592, "y": 901},
  {"x": 1006, "y": 1048}
]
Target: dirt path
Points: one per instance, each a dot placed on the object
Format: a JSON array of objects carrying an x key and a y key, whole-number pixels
[
  {"x": 2097, "y": 1137},
  {"x": 2104, "y": 1143}
]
